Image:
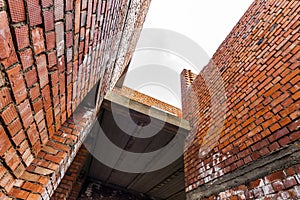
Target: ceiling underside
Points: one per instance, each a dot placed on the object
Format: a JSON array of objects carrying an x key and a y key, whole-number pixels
[{"x": 165, "y": 183}]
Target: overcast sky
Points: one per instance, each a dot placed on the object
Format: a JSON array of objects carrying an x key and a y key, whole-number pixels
[{"x": 206, "y": 22}]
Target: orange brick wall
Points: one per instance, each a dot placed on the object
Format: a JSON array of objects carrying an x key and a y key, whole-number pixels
[
  {"x": 259, "y": 66},
  {"x": 70, "y": 186},
  {"x": 52, "y": 53},
  {"x": 147, "y": 100}
]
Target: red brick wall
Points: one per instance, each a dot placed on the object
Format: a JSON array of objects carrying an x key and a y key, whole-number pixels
[
  {"x": 282, "y": 184},
  {"x": 52, "y": 53},
  {"x": 259, "y": 68},
  {"x": 147, "y": 100},
  {"x": 70, "y": 186}
]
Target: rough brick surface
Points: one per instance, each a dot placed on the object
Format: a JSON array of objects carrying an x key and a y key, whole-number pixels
[
  {"x": 255, "y": 76},
  {"x": 47, "y": 69},
  {"x": 147, "y": 100}
]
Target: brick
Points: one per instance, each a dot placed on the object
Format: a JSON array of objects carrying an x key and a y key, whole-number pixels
[
  {"x": 26, "y": 58},
  {"x": 278, "y": 134},
  {"x": 9, "y": 114},
  {"x": 22, "y": 36},
  {"x": 7, "y": 53},
  {"x": 278, "y": 186},
  {"x": 31, "y": 77},
  {"x": 7, "y": 182},
  {"x": 50, "y": 40},
  {"x": 33, "y": 134},
  {"x": 48, "y": 20},
  {"x": 52, "y": 59},
  {"x": 4, "y": 142},
  {"x": 295, "y": 136},
  {"x": 69, "y": 21},
  {"x": 60, "y": 41},
  {"x": 35, "y": 92},
  {"x": 47, "y": 3},
  {"x": 19, "y": 193},
  {"x": 46, "y": 97},
  {"x": 42, "y": 70},
  {"x": 34, "y": 12},
  {"x": 77, "y": 16},
  {"x": 49, "y": 117},
  {"x": 25, "y": 113},
  {"x": 37, "y": 105},
  {"x": 38, "y": 40},
  {"x": 35, "y": 188},
  {"x": 289, "y": 182},
  {"x": 19, "y": 138},
  {"x": 69, "y": 39},
  {"x": 59, "y": 9},
  {"x": 35, "y": 197},
  {"x": 17, "y": 83},
  {"x": 5, "y": 97},
  {"x": 17, "y": 10}
]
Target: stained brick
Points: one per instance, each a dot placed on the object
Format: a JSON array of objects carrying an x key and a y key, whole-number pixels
[
  {"x": 60, "y": 41},
  {"x": 59, "y": 9},
  {"x": 17, "y": 83},
  {"x": 46, "y": 97},
  {"x": 25, "y": 113},
  {"x": 22, "y": 36},
  {"x": 42, "y": 70},
  {"x": 9, "y": 114},
  {"x": 26, "y": 58},
  {"x": 4, "y": 142},
  {"x": 5, "y": 97},
  {"x": 7, "y": 53},
  {"x": 38, "y": 40},
  {"x": 31, "y": 77},
  {"x": 47, "y": 3},
  {"x": 69, "y": 21}
]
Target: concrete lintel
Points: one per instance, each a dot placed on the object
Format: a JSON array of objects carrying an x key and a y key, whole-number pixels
[{"x": 113, "y": 97}]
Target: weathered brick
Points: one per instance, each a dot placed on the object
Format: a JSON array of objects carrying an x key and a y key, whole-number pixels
[
  {"x": 25, "y": 113},
  {"x": 41, "y": 63},
  {"x": 5, "y": 97},
  {"x": 26, "y": 58},
  {"x": 52, "y": 59},
  {"x": 59, "y": 9},
  {"x": 17, "y": 10},
  {"x": 48, "y": 20},
  {"x": 4, "y": 142},
  {"x": 17, "y": 83},
  {"x": 50, "y": 40},
  {"x": 34, "y": 12},
  {"x": 9, "y": 114},
  {"x": 60, "y": 41},
  {"x": 31, "y": 77},
  {"x": 35, "y": 92},
  {"x": 38, "y": 40},
  {"x": 7, "y": 53},
  {"x": 22, "y": 36}
]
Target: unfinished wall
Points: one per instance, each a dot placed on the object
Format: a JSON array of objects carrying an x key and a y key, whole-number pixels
[
  {"x": 52, "y": 53},
  {"x": 258, "y": 65},
  {"x": 147, "y": 100}
]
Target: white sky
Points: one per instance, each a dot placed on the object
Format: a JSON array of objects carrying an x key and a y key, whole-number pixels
[{"x": 206, "y": 22}]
